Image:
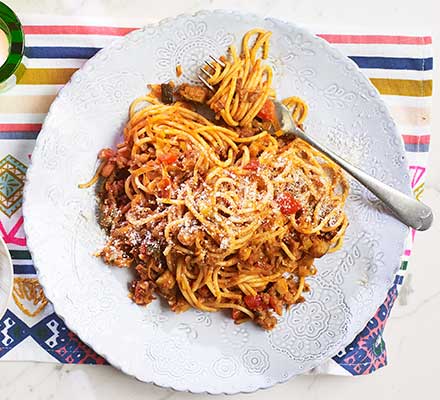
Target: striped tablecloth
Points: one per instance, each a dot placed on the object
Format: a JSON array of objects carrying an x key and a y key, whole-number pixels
[{"x": 399, "y": 66}]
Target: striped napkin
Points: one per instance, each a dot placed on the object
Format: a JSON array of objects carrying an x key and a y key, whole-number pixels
[{"x": 399, "y": 66}]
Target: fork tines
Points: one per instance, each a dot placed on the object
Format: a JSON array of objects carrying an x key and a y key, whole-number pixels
[
  {"x": 207, "y": 73},
  {"x": 218, "y": 61},
  {"x": 205, "y": 82},
  {"x": 210, "y": 65}
]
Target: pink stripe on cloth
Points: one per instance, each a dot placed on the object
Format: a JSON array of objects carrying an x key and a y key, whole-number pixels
[
  {"x": 75, "y": 30},
  {"x": 20, "y": 127},
  {"x": 414, "y": 139},
  {"x": 376, "y": 39}
]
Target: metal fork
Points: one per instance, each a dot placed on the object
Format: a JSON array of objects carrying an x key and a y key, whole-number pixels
[{"x": 405, "y": 208}]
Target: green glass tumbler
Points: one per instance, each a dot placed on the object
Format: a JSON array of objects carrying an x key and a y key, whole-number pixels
[{"x": 12, "y": 39}]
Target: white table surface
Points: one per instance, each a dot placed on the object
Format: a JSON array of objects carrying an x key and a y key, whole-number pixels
[{"x": 412, "y": 331}]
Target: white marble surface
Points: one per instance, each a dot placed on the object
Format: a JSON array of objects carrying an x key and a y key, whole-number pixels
[{"x": 411, "y": 333}]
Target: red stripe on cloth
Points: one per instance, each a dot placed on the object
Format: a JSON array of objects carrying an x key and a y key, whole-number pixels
[
  {"x": 75, "y": 30},
  {"x": 20, "y": 127},
  {"x": 376, "y": 39},
  {"x": 407, "y": 252},
  {"x": 412, "y": 139}
]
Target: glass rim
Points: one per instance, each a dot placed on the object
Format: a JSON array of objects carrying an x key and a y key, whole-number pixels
[{"x": 11, "y": 25}]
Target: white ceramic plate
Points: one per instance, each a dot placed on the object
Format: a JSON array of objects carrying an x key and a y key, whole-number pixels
[
  {"x": 6, "y": 277},
  {"x": 196, "y": 351}
]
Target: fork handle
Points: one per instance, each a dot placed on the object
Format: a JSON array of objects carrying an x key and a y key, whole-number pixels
[{"x": 408, "y": 210}]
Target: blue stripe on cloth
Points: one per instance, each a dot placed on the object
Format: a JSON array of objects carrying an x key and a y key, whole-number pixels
[
  {"x": 19, "y": 135},
  {"x": 24, "y": 269},
  {"x": 416, "y": 64},
  {"x": 417, "y": 147},
  {"x": 60, "y": 52}
]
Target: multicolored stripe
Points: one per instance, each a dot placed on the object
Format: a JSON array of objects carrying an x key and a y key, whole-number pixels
[{"x": 416, "y": 142}]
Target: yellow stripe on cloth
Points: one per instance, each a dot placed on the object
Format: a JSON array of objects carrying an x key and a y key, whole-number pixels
[
  {"x": 25, "y": 104},
  {"x": 403, "y": 87},
  {"x": 47, "y": 76},
  {"x": 397, "y": 87}
]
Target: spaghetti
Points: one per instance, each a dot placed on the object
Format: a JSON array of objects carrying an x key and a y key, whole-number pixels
[{"x": 219, "y": 216}]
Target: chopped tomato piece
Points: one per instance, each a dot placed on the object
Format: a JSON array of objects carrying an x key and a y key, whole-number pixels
[
  {"x": 288, "y": 204},
  {"x": 252, "y": 165},
  {"x": 168, "y": 158},
  {"x": 254, "y": 302},
  {"x": 267, "y": 112}
]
